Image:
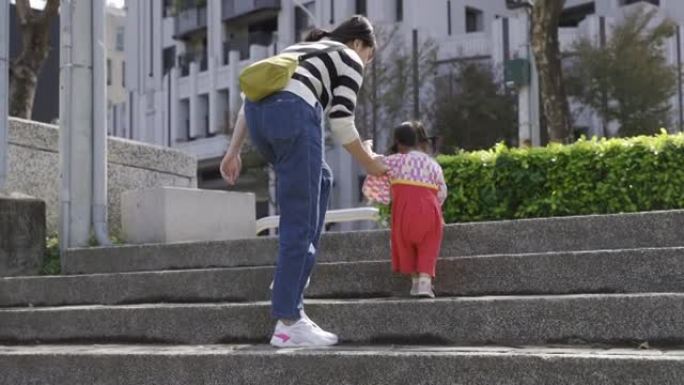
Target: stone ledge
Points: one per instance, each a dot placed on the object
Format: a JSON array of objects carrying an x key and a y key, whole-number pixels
[
  {"x": 598, "y": 232},
  {"x": 619, "y": 271},
  {"x": 601, "y": 319},
  {"x": 45, "y": 137},
  {"x": 382, "y": 365}
]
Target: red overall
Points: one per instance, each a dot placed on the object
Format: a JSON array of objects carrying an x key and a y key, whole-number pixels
[
  {"x": 415, "y": 185},
  {"x": 416, "y": 229}
]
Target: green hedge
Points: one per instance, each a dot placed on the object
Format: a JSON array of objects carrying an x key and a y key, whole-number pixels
[{"x": 587, "y": 177}]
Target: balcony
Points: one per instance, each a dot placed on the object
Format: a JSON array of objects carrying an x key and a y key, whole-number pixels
[
  {"x": 186, "y": 59},
  {"x": 259, "y": 38},
  {"x": 472, "y": 45},
  {"x": 190, "y": 20},
  {"x": 233, "y": 9}
]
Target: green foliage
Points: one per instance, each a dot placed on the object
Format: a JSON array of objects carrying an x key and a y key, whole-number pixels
[
  {"x": 472, "y": 111},
  {"x": 629, "y": 80},
  {"x": 51, "y": 261},
  {"x": 588, "y": 177}
]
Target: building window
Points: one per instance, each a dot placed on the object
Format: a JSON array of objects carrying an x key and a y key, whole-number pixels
[
  {"x": 332, "y": 11},
  {"x": 361, "y": 7},
  {"x": 303, "y": 22},
  {"x": 123, "y": 74},
  {"x": 168, "y": 8},
  {"x": 400, "y": 10},
  {"x": 449, "y": 17},
  {"x": 168, "y": 59},
  {"x": 573, "y": 16},
  {"x": 474, "y": 20},
  {"x": 629, "y": 2},
  {"x": 120, "y": 39},
  {"x": 109, "y": 72}
]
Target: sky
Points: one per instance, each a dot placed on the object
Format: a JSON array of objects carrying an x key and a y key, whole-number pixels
[{"x": 40, "y": 4}]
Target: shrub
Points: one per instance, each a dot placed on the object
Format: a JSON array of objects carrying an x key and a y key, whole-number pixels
[{"x": 588, "y": 177}]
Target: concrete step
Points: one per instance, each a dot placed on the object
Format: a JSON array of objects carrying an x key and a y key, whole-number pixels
[
  {"x": 227, "y": 364},
  {"x": 522, "y": 320},
  {"x": 622, "y": 231},
  {"x": 609, "y": 271}
]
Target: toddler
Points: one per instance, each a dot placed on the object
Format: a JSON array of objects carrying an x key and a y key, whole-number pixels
[{"x": 415, "y": 185}]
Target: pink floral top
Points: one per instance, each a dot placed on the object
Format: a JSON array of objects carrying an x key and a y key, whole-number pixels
[{"x": 414, "y": 168}]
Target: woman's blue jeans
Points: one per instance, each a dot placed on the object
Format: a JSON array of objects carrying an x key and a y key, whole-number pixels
[{"x": 288, "y": 132}]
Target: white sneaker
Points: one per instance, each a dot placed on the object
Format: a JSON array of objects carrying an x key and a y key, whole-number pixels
[
  {"x": 424, "y": 288},
  {"x": 329, "y": 336},
  {"x": 414, "y": 286},
  {"x": 302, "y": 333}
]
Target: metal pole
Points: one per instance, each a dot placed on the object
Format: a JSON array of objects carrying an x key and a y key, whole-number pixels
[
  {"x": 679, "y": 78},
  {"x": 416, "y": 78},
  {"x": 75, "y": 120},
  {"x": 99, "y": 125},
  {"x": 374, "y": 105},
  {"x": 4, "y": 89}
]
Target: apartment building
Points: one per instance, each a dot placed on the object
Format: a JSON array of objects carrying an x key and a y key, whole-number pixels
[{"x": 184, "y": 58}]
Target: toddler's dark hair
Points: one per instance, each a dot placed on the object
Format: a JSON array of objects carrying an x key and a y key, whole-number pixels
[{"x": 406, "y": 135}]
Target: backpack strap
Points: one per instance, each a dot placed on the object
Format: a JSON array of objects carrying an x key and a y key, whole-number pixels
[{"x": 321, "y": 52}]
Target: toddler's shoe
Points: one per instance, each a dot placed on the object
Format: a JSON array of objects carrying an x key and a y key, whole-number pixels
[{"x": 422, "y": 287}]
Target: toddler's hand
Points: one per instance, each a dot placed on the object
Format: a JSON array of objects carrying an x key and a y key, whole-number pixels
[{"x": 377, "y": 166}]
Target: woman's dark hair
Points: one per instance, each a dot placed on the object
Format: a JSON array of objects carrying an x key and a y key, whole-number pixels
[{"x": 357, "y": 27}]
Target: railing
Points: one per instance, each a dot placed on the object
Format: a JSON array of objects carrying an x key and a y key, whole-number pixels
[
  {"x": 567, "y": 37},
  {"x": 232, "y": 9},
  {"x": 332, "y": 216},
  {"x": 466, "y": 46},
  {"x": 185, "y": 59},
  {"x": 190, "y": 20}
]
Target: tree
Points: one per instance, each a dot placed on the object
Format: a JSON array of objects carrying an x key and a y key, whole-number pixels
[
  {"x": 385, "y": 100},
  {"x": 545, "y": 18},
  {"x": 628, "y": 80},
  {"x": 35, "y": 47},
  {"x": 473, "y": 111}
]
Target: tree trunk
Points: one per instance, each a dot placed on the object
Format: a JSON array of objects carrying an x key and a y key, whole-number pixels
[
  {"x": 24, "y": 69},
  {"x": 545, "y": 19}
]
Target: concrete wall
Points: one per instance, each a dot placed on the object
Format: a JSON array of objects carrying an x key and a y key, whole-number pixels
[{"x": 34, "y": 168}]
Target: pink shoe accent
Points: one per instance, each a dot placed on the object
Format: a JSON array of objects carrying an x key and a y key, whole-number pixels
[{"x": 282, "y": 336}]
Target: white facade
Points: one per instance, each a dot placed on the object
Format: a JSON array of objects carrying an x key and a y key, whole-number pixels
[{"x": 182, "y": 76}]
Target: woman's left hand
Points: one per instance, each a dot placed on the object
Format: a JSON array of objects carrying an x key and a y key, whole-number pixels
[{"x": 231, "y": 165}]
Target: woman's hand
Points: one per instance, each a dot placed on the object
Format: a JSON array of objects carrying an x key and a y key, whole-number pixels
[
  {"x": 231, "y": 165},
  {"x": 372, "y": 163},
  {"x": 376, "y": 167}
]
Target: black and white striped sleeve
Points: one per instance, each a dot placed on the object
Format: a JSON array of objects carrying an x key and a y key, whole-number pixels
[{"x": 346, "y": 86}]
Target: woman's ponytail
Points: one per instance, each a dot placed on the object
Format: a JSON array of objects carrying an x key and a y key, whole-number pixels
[{"x": 317, "y": 34}]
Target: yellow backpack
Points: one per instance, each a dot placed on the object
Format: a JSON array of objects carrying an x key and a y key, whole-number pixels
[{"x": 268, "y": 76}]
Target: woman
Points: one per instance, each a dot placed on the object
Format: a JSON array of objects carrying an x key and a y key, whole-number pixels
[{"x": 287, "y": 129}]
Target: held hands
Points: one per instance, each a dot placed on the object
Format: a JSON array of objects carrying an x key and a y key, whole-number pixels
[
  {"x": 231, "y": 165},
  {"x": 376, "y": 167}
]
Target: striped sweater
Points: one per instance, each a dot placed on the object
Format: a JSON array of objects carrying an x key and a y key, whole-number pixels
[{"x": 332, "y": 79}]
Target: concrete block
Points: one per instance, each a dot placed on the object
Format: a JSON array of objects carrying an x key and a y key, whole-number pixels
[
  {"x": 22, "y": 234},
  {"x": 34, "y": 168},
  {"x": 172, "y": 214}
]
